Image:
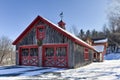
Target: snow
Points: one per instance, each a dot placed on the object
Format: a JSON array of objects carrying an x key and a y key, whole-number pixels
[
  {"x": 107, "y": 70},
  {"x": 112, "y": 56},
  {"x": 101, "y": 41},
  {"x": 5, "y": 71},
  {"x": 99, "y": 48},
  {"x": 33, "y": 73}
]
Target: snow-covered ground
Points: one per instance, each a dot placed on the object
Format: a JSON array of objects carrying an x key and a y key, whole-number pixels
[
  {"x": 112, "y": 56},
  {"x": 107, "y": 70}
]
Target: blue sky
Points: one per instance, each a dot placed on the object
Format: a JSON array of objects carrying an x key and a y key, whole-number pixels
[{"x": 16, "y": 15}]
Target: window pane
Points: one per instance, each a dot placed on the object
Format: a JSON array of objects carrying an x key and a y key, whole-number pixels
[
  {"x": 49, "y": 52},
  {"x": 25, "y": 52},
  {"x": 40, "y": 29},
  {"x": 33, "y": 52},
  {"x": 61, "y": 51}
]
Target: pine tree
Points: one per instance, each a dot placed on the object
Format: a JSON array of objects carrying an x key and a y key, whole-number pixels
[
  {"x": 88, "y": 34},
  {"x": 81, "y": 34}
]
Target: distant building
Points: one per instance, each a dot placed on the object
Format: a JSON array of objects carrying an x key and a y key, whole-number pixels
[{"x": 100, "y": 46}]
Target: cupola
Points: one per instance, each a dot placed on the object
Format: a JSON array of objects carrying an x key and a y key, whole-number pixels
[{"x": 61, "y": 23}]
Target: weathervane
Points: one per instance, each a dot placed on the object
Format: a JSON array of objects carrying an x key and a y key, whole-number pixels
[{"x": 61, "y": 15}]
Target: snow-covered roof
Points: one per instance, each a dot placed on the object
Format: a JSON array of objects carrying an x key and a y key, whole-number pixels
[
  {"x": 99, "y": 48},
  {"x": 101, "y": 41}
]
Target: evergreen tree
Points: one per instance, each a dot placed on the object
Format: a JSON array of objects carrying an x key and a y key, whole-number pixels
[
  {"x": 81, "y": 34},
  {"x": 88, "y": 34},
  {"x": 94, "y": 33}
]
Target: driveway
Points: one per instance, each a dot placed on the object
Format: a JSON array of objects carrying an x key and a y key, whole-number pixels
[{"x": 11, "y": 71}]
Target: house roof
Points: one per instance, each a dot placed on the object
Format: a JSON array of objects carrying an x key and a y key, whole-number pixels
[
  {"x": 54, "y": 26},
  {"x": 101, "y": 41},
  {"x": 99, "y": 48}
]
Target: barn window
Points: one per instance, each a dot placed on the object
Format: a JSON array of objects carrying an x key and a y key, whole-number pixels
[
  {"x": 40, "y": 29},
  {"x": 61, "y": 51},
  {"x": 86, "y": 54},
  {"x": 49, "y": 51},
  {"x": 25, "y": 52},
  {"x": 40, "y": 32},
  {"x": 34, "y": 52}
]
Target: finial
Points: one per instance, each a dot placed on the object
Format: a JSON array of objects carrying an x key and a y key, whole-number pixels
[{"x": 61, "y": 15}]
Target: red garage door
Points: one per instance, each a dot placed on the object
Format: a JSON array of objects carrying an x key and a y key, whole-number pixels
[
  {"x": 55, "y": 55},
  {"x": 28, "y": 55}
]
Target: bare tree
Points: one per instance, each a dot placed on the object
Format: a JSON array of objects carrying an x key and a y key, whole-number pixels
[
  {"x": 106, "y": 31},
  {"x": 114, "y": 24},
  {"x": 6, "y": 49},
  {"x": 114, "y": 15},
  {"x": 74, "y": 30}
]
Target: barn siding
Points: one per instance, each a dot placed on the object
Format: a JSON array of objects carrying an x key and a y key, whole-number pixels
[
  {"x": 91, "y": 54},
  {"x": 79, "y": 56},
  {"x": 70, "y": 54},
  {"x": 29, "y": 39},
  {"x": 17, "y": 58},
  {"x": 51, "y": 36}
]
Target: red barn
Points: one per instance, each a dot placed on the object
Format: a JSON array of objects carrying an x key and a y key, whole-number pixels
[{"x": 46, "y": 44}]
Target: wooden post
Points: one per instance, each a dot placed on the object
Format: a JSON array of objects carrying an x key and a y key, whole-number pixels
[
  {"x": 17, "y": 57},
  {"x": 40, "y": 56}
]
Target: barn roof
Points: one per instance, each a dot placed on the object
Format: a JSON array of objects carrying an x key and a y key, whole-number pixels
[{"x": 54, "y": 26}]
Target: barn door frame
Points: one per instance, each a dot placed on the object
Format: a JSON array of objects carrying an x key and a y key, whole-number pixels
[
  {"x": 55, "y": 46},
  {"x": 27, "y": 47}
]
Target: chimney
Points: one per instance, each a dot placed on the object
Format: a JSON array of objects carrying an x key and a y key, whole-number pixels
[{"x": 61, "y": 24}]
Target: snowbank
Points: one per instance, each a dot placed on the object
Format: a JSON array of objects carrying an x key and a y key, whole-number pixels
[{"x": 112, "y": 56}]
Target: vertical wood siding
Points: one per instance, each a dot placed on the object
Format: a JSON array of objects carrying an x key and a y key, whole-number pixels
[{"x": 79, "y": 56}]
